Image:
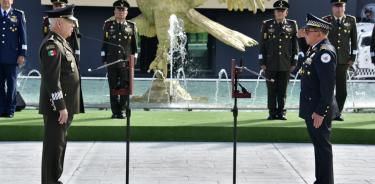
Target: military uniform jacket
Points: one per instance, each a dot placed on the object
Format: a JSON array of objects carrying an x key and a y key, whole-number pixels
[
  {"x": 122, "y": 37},
  {"x": 73, "y": 40},
  {"x": 372, "y": 47},
  {"x": 343, "y": 37},
  {"x": 60, "y": 83},
  {"x": 13, "y": 40},
  {"x": 318, "y": 75},
  {"x": 279, "y": 45}
]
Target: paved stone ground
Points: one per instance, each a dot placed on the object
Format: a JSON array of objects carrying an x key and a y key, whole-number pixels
[{"x": 186, "y": 163}]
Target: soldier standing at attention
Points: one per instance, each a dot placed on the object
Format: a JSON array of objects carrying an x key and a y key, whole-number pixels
[
  {"x": 278, "y": 57},
  {"x": 73, "y": 40},
  {"x": 317, "y": 93},
  {"x": 13, "y": 47},
  {"x": 119, "y": 44},
  {"x": 343, "y": 37},
  {"x": 59, "y": 91}
]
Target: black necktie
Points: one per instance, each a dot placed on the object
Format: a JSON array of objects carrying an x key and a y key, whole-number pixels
[
  {"x": 5, "y": 14},
  {"x": 338, "y": 22}
]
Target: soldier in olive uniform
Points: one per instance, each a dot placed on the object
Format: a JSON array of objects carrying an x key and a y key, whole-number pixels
[
  {"x": 372, "y": 48},
  {"x": 73, "y": 40},
  {"x": 317, "y": 94},
  {"x": 343, "y": 37},
  {"x": 119, "y": 44},
  {"x": 59, "y": 92},
  {"x": 278, "y": 56}
]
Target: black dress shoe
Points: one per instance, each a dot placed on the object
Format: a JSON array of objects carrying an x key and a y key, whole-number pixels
[
  {"x": 270, "y": 117},
  {"x": 338, "y": 118},
  {"x": 120, "y": 116},
  {"x": 6, "y": 115},
  {"x": 114, "y": 116},
  {"x": 282, "y": 117}
]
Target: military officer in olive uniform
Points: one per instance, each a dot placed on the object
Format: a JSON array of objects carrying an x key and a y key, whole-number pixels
[
  {"x": 13, "y": 50},
  {"x": 119, "y": 44},
  {"x": 372, "y": 48},
  {"x": 278, "y": 56},
  {"x": 73, "y": 40},
  {"x": 59, "y": 92},
  {"x": 317, "y": 92},
  {"x": 343, "y": 37}
]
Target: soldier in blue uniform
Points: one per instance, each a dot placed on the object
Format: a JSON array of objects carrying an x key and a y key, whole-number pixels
[
  {"x": 13, "y": 47},
  {"x": 318, "y": 75}
]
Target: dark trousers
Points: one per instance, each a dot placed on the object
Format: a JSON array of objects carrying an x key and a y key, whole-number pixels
[
  {"x": 320, "y": 138},
  {"x": 54, "y": 146},
  {"x": 8, "y": 75},
  {"x": 341, "y": 91},
  {"x": 276, "y": 91},
  {"x": 118, "y": 80}
]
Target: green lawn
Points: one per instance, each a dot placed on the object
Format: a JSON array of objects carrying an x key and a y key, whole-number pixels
[{"x": 189, "y": 126}]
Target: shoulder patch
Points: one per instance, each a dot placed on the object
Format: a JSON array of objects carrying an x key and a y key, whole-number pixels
[
  {"x": 51, "y": 46},
  {"x": 325, "y": 58},
  {"x": 52, "y": 53},
  {"x": 327, "y": 47}
]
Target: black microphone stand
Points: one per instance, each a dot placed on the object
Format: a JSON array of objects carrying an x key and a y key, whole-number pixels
[
  {"x": 127, "y": 105},
  {"x": 236, "y": 94}
]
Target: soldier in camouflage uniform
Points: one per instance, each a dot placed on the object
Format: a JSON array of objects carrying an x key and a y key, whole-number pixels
[
  {"x": 60, "y": 92},
  {"x": 278, "y": 56},
  {"x": 343, "y": 37},
  {"x": 119, "y": 44}
]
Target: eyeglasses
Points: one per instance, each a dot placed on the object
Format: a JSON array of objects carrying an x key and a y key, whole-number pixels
[{"x": 311, "y": 31}]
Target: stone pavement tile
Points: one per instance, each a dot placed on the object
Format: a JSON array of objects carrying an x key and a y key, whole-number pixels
[{"x": 186, "y": 163}]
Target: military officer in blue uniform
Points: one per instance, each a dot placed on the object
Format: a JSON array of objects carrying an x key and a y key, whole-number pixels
[
  {"x": 278, "y": 56},
  {"x": 60, "y": 91},
  {"x": 318, "y": 75},
  {"x": 13, "y": 47}
]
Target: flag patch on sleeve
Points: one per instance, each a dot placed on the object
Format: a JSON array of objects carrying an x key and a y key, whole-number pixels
[{"x": 52, "y": 53}]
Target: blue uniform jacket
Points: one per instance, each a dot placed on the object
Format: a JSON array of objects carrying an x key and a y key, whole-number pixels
[
  {"x": 318, "y": 78},
  {"x": 13, "y": 41}
]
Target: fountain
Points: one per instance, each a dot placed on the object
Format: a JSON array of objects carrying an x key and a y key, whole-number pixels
[
  {"x": 164, "y": 90},
  {"x": 38, "y": 74},
  {"x": 257, "y": 85},
  {"x": 221, "y": 73}
]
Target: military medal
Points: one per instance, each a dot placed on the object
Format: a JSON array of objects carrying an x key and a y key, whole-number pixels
[
  {"x": 347, "y": 24},
  {"x": 13, "y": 19},
  {"x": 128, "y": 29}
]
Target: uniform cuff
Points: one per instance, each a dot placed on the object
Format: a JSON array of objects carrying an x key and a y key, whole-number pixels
[
  {"x": 322, "y": 110},
  {"x": 57, "y": 100}
]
